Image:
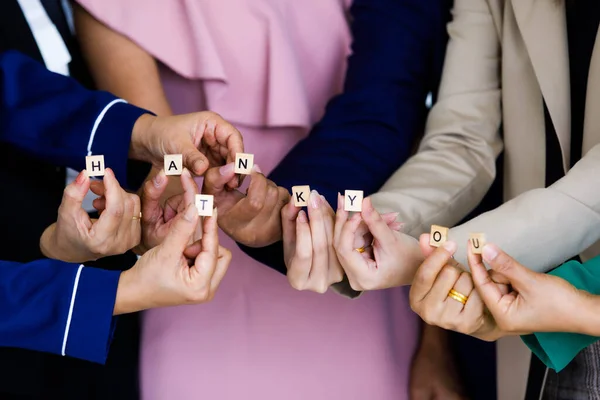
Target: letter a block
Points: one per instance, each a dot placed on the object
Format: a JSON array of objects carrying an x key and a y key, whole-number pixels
[
  {"x": 438, "y": 235},
  {"x": 173, "y": 164},
  {"x": 477, "y": 242},
  {"x": 94, "y": 165},
  {"x": 204, "y": 204},
  {"x": 243, "y": 163},
  {"x": 353, "y": 200},
  {"x": 300, "y": 195}
]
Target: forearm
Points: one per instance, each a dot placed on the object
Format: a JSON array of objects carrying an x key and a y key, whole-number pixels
[{"x": 544, "y": 227}]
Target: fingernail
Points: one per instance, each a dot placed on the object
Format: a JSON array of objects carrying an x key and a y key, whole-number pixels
[
  {"x": 315, "y": 199},
  {"x": 158, "y": 178},
  {"x": 81, "y": 177},
  {"x": 190, "y": 213},
  {"x": 490, "y": 252},
  {"x": 450, "y": 246},
  {"x": 340, "y": 200},
  {"x": 395, "y": 215},
  {"x": 227, "y": 169},
  {"x": 302, "y": 217},
  {"x": 186, "y": 172},
  {"x": 323, "y": 198},
  {"x": 256, "y": 168}
]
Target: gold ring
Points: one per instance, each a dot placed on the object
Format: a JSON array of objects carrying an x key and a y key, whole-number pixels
[
  {"x": 361, "y": 249},
  {"x": 461, "y": 298},
  {"x": 136, "y": 217}
]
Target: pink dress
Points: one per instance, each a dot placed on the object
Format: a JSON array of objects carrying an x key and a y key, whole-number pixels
[{"x": 268, "y": 66}]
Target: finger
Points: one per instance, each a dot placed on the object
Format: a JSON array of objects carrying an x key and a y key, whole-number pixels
[
  {"x": 135, "y": 226},
  {"x": 151, "y": 194},
  {"x": 111, "y": 219},
  {"x": 228, "y": 136},
  {"x": 320, "y": 254},
  {"x": 335, "y": 271},
  {"x": 520, "y": 277},
  {"x": 301, "y": 264},
  {"x": 182, "y": 228},
  {"x": 190, "y": 189},
  {"x": 257, "y": 194},
  {"x": 99, "y": 204},
  {"x": 444, "y": 282},
  {"x": 377, "y": 226},
  {"x": 464, "y": 286},
  {"x": 429, "y": 270},
  {"x": 489, "y": 292},
  {"x": 289, "y": 214},
  {"x": 351, "y": 259},
  {"x": 364, "y": 238},
  {"x": 75, "y": 193},
  {"x": 426, "y": 248},
  {"x": 206, "y": 262},
  {"x": 223, "y": 261},
  {"x": 341, "y": 216},
  {"x": 215, "y": 179},
  {"x": 97, "y": 187},
  {"x": 194, "y": 160}
]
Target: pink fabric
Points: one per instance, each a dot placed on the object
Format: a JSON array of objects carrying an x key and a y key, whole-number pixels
[{"x": 269, "y": 66}]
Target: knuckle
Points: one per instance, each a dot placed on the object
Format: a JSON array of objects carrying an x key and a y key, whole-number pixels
[
  {"x": 255, "y": 204},
  {"x": 450, "y": 272},
  {"x": 117, "y": 211}
]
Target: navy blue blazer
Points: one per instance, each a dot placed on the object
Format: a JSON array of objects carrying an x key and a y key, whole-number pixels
[
  {"x": 49, "y": 305},
  {"x": 369, "y": 130}
]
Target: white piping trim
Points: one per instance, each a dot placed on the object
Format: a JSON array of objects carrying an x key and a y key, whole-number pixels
[
  {"x": 66, "y": 336},
  {"x": 97, "y": 123},
  {"x": 543, "y": 389}
]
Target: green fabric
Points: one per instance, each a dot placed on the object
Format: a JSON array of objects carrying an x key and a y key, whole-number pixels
[{"x": 557, "y": 349}]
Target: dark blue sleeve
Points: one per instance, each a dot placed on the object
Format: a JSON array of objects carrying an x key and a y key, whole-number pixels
[
  {"x": 57, "y": 307},
  {"x": 54, "y": 118},
  {"x": 369, "y": 130}
]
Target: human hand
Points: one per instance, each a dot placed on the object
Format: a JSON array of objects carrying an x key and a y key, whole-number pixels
[
  {"x": 433, "y": 371},
  {"x": 77, "y": 238},
  {"x": 310, "y": 258},
  {"x": 536, "y": 302},
  {"x": 392, "y": 258},
  {"x": 429, "y": 293},
  {"x": 157, "y": 218},
  {"x": 252, "y": 219},
  {"x": 203, "y": 138},
  {"x": 174, "y": 273}
]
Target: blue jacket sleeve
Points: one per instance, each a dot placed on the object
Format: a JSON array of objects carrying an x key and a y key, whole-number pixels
[
  {"x": 59, "y": 308},
  {"x": 54, "y": 118},
  {"x": 369, "y": 130}
]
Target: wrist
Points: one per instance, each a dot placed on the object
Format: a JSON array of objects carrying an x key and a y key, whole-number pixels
[
  {"x": 129, "y": 298},
  {"x": 47, "y": 242},
  {"x": 140, "y": 138},
  {"x": 585, "y": 318}
]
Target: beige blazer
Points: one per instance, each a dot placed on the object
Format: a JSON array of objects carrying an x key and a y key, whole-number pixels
[{"x": 503, "y": 58}]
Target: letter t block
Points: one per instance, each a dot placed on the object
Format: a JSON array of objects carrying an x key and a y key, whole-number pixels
[{"x": 204, "y": 204}]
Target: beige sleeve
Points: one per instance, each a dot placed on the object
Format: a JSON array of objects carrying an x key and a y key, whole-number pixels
[{"x": 455, "y": 163}]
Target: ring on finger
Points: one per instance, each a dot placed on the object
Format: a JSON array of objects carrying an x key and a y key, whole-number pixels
[
  {"x": 135, "y": 217},
  {"x": 458, "y": 296}
]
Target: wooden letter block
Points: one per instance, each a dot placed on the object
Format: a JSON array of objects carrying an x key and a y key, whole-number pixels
[
  {"x": 300, "y": 195},
  {"x": 243, "y": 163},
  {"x": 477, "y": 242},
  {"x": 94, "y": 165},
  {"x": 353, "y": 200},
  {"x": 173, "y": 164},
  {"x": 438, "y": 235},
  {"x": 204, "y": 204}
]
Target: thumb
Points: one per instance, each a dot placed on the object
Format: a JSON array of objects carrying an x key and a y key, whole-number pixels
[
  {"x": 151, "y": 195},
  {"x": 182, "y": 229},
  {"x": 216, "y": 179},
  {"x": 426, "y": 249},
  {"x": 75, "y": 192},
  {"x": 499, "y": 261},
  {"x": 194, "y": 160}
]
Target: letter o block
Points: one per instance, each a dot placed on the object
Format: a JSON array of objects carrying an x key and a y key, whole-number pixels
[{"x": 438, "y": 235}]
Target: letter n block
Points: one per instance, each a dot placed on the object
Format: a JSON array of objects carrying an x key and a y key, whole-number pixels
[
  {"x": 243, "y": 163},
  {"x": 94, "y": 165},
  {"x": 477, "y": 242},
  {"x": 438, "y": 235},
  {"x": 204, "y": 204},
  {"x": 353, "y": 200},
  {"x": 173, "y": 164},
  {"x": 300, "y": 195}
]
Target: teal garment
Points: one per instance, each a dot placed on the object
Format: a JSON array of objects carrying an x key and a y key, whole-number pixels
[{"x": 557, "y": 349}]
